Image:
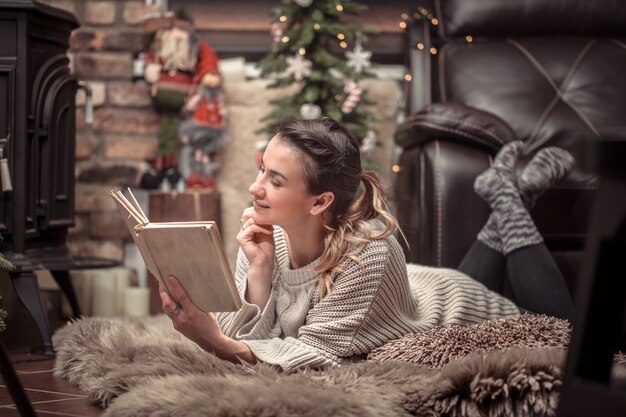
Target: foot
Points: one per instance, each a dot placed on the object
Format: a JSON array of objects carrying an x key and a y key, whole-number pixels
[
  {"x": 488, "y": 183},
  {"x": 500, "y": 178},
  {"x": 509, "y": 221},
  {"x": 548, "y": 166}
]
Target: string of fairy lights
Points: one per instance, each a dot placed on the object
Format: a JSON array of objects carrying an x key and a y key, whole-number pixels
[
  {"x": 423, "y": 13},
  {"x": 340, "y": 36}
]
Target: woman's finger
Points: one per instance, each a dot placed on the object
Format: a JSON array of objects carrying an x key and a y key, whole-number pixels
[
  {"x": 248, "y": 234},
  {"x": 250, "y": 222},
  {"x": 179, "y": 292},
  {"x": 167, "y": 303},
  {"x": 247, "y": 214}
]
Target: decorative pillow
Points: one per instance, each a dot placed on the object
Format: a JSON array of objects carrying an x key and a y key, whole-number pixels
[
  {"x": 435, "y": 347},
  {"x": 457, "y": 122}
]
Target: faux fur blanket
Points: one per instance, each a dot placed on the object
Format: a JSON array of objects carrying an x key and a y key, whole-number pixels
[{"x": 143, "y": 367}]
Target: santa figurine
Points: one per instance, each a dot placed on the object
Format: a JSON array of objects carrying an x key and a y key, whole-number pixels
[
  {"x": 202, "y": 135},
  {"x": 177, "y": 65}
]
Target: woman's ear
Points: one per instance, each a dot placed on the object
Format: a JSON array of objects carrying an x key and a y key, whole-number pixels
[{"x": 322, "y": 202}]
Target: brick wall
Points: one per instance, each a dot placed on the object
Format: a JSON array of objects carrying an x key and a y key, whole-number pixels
[{"x": 113, "y": 151}]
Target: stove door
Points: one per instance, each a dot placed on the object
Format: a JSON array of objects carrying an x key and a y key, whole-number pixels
[{"x": 54, "y": 141}]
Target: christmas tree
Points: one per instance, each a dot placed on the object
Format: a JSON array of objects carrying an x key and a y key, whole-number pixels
[{"x": 317, "y": 44}]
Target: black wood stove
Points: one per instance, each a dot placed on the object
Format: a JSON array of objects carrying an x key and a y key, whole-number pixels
[{"x": 37, "y": 150}]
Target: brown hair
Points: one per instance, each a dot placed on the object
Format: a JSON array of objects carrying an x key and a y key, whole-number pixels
[{"x": 332, "y": 162}]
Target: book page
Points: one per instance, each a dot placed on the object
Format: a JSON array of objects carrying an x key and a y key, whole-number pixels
[
  {"x": 137, "y": 206},
  {"x": 126, "y": 207},
  {"x": 132, "y": 221}
]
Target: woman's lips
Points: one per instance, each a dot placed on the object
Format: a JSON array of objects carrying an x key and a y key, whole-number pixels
[{"x": 259, "y": 205}]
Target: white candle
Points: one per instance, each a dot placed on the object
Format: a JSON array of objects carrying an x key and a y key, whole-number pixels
[
  {"x": 108, "y": 287},
  {"x": 122, "y": 281},
  {"x": 104, "y": 299},
  {"x": 136, "y": 301}
]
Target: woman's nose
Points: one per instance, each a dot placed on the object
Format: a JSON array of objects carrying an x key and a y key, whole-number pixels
[{"x": 255, "y": 189}]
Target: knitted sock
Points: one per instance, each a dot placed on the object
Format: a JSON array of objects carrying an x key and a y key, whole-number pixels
[
  {"x": 497, "y": 186},
  {"x": 547, "y": 167},
  {"x": 504, "y": 162}
]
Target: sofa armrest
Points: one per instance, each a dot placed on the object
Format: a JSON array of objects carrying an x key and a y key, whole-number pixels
[
  {"x": 454, "y": 122},
  {"x": 438, "y": 210}
]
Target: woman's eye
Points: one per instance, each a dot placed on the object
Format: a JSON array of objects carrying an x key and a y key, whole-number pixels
[
  {"x": 275, "y": 184},
  {"x": 262, "y": 169}
]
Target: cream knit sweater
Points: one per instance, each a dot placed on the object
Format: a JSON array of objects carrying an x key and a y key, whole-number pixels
[{"x": 368, "y": 306}]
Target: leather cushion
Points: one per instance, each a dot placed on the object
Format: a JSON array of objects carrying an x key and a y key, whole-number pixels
[
  {"x": 552, "y": 92},
  {"x": 456, "y": 122},
  {"x": 531, "y": 17}
]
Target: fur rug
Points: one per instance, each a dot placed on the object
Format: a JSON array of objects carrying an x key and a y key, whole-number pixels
[
  {"x": 435, "y": 347},
  {"x": 143, "y": 367}
]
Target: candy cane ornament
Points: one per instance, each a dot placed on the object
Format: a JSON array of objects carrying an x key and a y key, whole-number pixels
[
  {"x": 277, "y": 32},
  {"x": 354, "y": 91}
]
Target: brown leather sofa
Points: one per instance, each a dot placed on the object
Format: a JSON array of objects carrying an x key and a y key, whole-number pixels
[{"x": 550, "y": 73}]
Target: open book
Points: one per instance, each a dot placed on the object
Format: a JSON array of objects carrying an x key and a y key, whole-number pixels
[{"x": 191, "y": 251}]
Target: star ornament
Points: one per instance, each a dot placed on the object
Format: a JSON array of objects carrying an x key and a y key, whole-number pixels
[
  {"x": 299, "y": 67},
  {"x": 358, "y": 58}
]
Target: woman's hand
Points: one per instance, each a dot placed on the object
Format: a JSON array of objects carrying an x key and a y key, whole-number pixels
[
  {"x": 256, "y": 241},
  {"x": 200, "y": 327}
]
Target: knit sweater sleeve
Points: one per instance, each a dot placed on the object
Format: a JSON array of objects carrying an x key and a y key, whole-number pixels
[
  {"x": 326, "y": 338},
  {"x": 249, "y": 321}
]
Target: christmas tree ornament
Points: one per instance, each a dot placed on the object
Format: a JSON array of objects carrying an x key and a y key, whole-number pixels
[
  {"x": 276, "y": 32},
  {"x": 304, "y": 3},
  {"x": 299, "y": 67},
  {"x": 354, "y": 91},
  {"x": 310, "y": 111},
  {"x": 358, "y": 58},
  {"x": 369, "y": 144}
]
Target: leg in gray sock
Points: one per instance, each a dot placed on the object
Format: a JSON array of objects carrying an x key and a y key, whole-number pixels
[
  {"x": 515, "y": 225},
  {"x": 504, "y": 164},
  {"x": 535, "y": 278},
  {"x": 484, "y": 261},
  {"x": 547, "y": 167}
]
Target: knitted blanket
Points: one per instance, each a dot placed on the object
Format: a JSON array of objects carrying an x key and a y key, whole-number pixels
[{"x": 143, "y": 367}]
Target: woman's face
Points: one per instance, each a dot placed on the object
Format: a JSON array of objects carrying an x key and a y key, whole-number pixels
[{"x": 279, "y": 191}]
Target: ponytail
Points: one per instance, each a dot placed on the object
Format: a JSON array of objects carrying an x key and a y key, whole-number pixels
[{"x": 351, "y": 232}]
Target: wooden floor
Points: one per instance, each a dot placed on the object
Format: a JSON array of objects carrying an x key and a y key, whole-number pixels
[{"x": 50, "y": 396}]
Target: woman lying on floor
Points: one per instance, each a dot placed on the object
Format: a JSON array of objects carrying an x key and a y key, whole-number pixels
[{"x": 331, "y": 282}]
